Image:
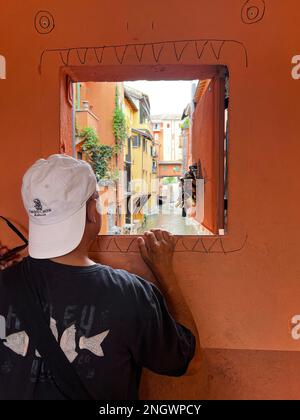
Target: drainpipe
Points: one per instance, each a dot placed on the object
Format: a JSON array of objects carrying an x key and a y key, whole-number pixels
[
  {"x": 73, "y": 126},
  {"x": 76, "y": 107},
  {"x": 78, "y": 95}
]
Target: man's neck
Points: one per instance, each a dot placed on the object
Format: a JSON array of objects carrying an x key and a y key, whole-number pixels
[{"x": 74, "y": 258}]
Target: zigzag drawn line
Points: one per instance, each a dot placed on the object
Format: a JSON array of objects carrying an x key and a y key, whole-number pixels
[
  {"x": 207, "y": 249},
  {"x": 157, "y": 49}
]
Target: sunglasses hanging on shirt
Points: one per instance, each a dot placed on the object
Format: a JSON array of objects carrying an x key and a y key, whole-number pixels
[{"x": 9, "y": 254}]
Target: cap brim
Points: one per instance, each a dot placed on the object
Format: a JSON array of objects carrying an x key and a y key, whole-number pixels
[{"x": 55, "y": 240}]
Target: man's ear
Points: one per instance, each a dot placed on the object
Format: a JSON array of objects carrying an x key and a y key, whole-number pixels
[{"x": 91, "y": 211}]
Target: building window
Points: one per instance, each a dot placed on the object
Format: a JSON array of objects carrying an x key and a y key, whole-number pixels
[
  {"x": 143, "y": 115},
  {"x": 193, "y": 162},
  {"x": 136, "y": 141}
]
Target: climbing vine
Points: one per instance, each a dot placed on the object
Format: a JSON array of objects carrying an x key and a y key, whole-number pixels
[
  {"x": 98, "y": 155},
  {"x": 185, "y": 124},
  {"x": 119, "y": 124}
]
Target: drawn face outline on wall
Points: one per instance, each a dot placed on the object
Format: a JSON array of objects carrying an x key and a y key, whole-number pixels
[{"x": 253, "y": 11}]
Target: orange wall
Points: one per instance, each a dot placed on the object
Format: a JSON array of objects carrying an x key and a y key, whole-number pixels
[
  {"x": 242, "y": 300},
  {"x": 205, "y": 149},
  {"x": 168, "y": 169},
  {"x": 86, "y": 119},
  {"x": 102, "y": 98}
]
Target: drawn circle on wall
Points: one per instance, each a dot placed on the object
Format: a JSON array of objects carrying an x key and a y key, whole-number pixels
[
  {"x": 44, "y": 22},
  {"x": 253, "y": 11}
]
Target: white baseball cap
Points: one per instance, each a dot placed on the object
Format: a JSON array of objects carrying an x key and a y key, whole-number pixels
[{"x": 55, "y": 192}]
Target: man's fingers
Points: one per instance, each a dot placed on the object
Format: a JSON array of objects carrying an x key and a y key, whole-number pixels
[
  {"x": 8, "y": 262},
  {"x": 3, "y": 250},
  {"x": 158, "y": 234},
  {"x": 162, "y": 236},
  {"x": 168, "y": 237},
  {"x": 143, "y": 248},
  {"x": 151, "y": 239},
  {"x": 146, "y": 241}
]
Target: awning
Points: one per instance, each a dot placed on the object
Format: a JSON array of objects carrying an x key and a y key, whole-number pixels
[{"x": 143, "y": 133}]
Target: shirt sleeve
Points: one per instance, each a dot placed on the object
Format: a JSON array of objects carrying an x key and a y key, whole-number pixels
[{"x": 158, "y": 343}]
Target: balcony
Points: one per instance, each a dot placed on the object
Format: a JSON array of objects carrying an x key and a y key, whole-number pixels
[{"x": 86, "y": 118}]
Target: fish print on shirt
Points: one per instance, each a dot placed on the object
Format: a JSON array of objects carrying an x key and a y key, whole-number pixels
[
  {"x": 93, "y": 344},
  {"x": 19, "y": 342},
  {"x": 68, "y": 343}
]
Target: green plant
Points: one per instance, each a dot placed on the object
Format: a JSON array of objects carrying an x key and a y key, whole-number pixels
[
  {"x": 145, "y": 218},
  {"x": 169, "y": 180},
  {"x": 185, "y": 124},
  {"x": 113, "y": 175},
  {"x": 119, "y": 125},
  {"x": 98, "y": 155}
]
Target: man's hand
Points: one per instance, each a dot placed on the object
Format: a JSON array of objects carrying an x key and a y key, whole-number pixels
[
  {"x": 157, "y": 250},
  {"x": 7, "y": 263}
]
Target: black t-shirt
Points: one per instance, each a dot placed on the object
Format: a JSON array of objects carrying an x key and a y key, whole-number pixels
[{"x": 108, "y": 322}]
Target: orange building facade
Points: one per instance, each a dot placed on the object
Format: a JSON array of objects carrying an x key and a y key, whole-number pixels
[{"x": 94, "y": 109}]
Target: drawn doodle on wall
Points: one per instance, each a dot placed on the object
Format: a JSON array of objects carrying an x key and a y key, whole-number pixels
[
  {"x": 83, "y": 55},
  {"x": 96, "y": 55},
  {"x": 44, "y": 22},
  {"x": 253, "y": 11}
]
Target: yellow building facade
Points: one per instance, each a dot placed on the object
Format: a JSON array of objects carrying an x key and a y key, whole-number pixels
[{"x": 143, "y": 168}]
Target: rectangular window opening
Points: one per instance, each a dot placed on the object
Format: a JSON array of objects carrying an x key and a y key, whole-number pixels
[{"x": 159, "y": 150}]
